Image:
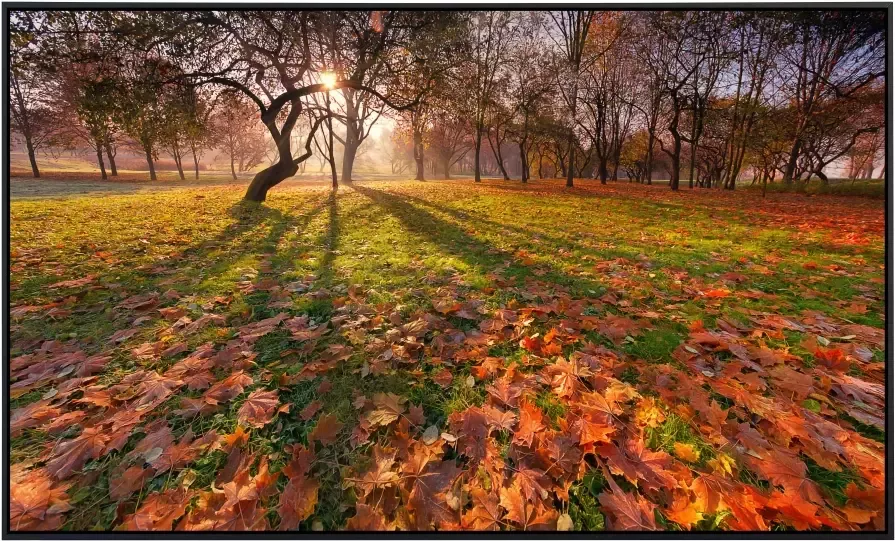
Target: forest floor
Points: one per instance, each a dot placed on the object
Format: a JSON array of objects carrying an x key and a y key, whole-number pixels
[{"x": 447, "y": 355}]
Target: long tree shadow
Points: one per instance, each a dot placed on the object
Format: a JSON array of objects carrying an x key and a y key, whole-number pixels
[
  {"x": 527, "y": 234},
  {"x": 235, "y": 240},
  {"x": 473, "y": 217},
  {"x": 326, "y": 270},
  {"x": 451, "y": 239}
]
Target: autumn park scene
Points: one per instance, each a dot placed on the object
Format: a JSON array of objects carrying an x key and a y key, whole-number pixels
[{"x": 440, "y": 270}]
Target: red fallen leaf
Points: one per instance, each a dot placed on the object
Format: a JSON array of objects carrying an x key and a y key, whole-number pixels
[
  {"x": 237, "y": 461},
  {"x": 532, "y": 482},
  {"x": 182, "y": 453},
  {"x": 74, "y": 283},
  {"x": 367, "y": 519},
  {"x": 172, "y": 314},
  {"x": 651, "y": 466},
  {"x": 197, "y": 382},
  {"x": 501, "y": 420},
  {"x": 717, "y": 293},
  {"x": 188, "y": 327},
  {"x": 129, "y": 481},
  {"x": 833, "y": 358},
  {"x": 146, "y": 351},
  {"x": 191, "y": 407},
  {"x": 472, "y": 427},
  {"x": 122, "y": 335},
  {"x": 563, "y": 452},
  {"x": 93, "y": 365},
  {"x": 798, "y": 385},
  {"x": 627, "y": 511},
  {"x": 258, "y": 409},
  {"x": 159, "y": 511},
  {"x": 504, "y": 393},
  {"x": 71, "y": 455},
  {"x": 529, "y": 514},
  {"x": 416, "y": 415},
  {"x": 446, "y": 306},
  {"x": 427, "y": 497},
  {"x": 864, "y": 505},
  {"x": 380, "y": 475},
  {"x": 616, "y": 327},
  {"x": 155, "y": 390},
  {"x": 326, "y": 430},
  {"x": 443, "y": 378},
  {"x": 32, "y": 415},
  {"x": 531, "y": 421},
  {"x": 35, "y": 502},
  {"x": 485, "y": 513},
  {"x": 324, "y": 386},
  {"x": 565, "y": 376},
  {"x": 173, "y": 350},
  {"x": 240, "y": 490},
  {"x": 795, "y": 510},
  {"x": 63, "y": 422},
  {"x": 229, "y": 388},
  {"x": 310, "y": 410},
  {"x": 139, "y": 302},
  {"x": 786, "y": 470},
  {"x": 593, "y": 427},
  {"x": 209, "y": 514},
  {"x": 298, "y": 500}
]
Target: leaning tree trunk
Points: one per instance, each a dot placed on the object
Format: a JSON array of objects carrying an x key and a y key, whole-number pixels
[
  {"x": 31, "y": 157},
  {"x": 195, "y": 158},
  {"x": 791, "y": 164},
  {"x": 179, "y": 162},
  {"x": 151, "y": 163},
  {"x": 499, "y": 157},
  {"x": 111, "y": 157},
  {"x": 99, "y": 160},
  {"x": 268, "y": 178}
]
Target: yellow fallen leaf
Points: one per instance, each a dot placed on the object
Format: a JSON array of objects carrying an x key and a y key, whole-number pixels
[{"x": 686, "y": 452}]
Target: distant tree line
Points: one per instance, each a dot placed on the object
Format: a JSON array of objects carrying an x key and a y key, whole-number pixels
[{"x": 708, "y": 97}]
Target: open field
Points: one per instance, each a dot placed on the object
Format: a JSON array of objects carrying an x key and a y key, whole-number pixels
[{"x": 450, "y": 355}]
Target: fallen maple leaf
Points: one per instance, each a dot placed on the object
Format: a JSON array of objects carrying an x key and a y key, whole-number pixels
[
  {"x": 309, "y": 411},
  {"x": 326, "y": 430},
  {"x": 258, "y": 409},
  {"x": 388, "y": 408},
  {"x": 158, "y": 511}
]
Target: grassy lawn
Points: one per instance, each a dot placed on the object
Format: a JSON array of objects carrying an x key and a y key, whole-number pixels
[{"x": 447, "y": 355}]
